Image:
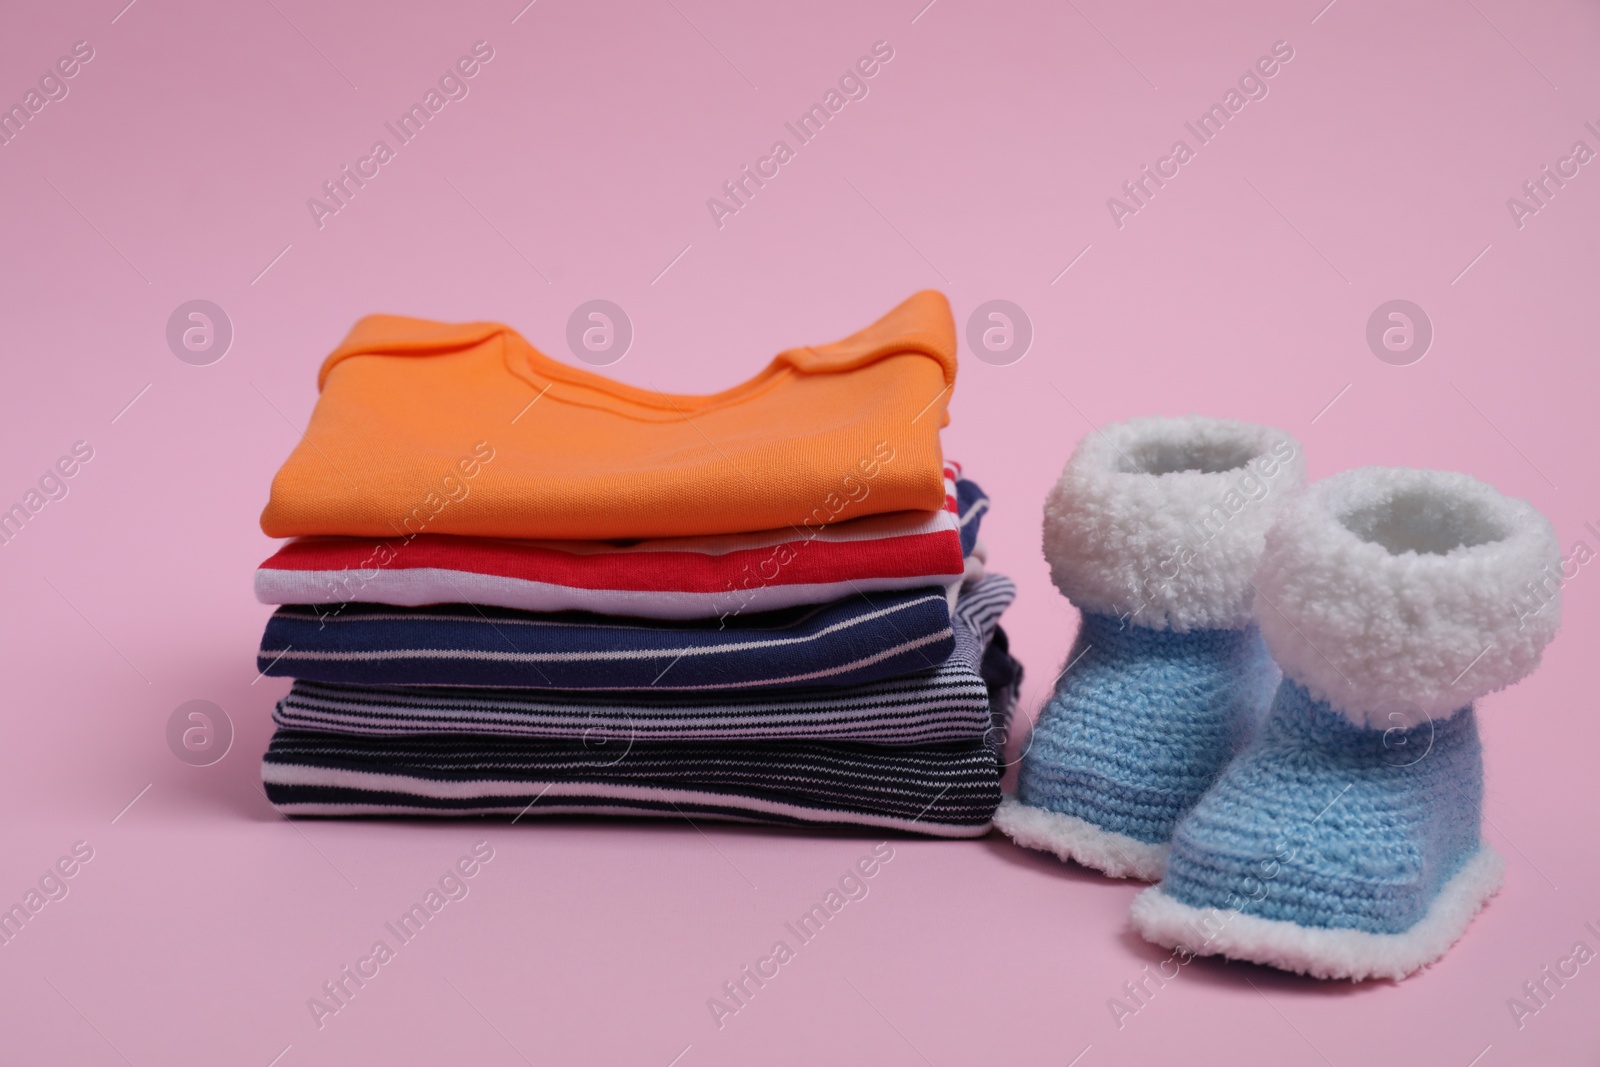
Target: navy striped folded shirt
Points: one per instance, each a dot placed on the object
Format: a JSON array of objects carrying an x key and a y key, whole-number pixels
[
  {"x": 857, "y": 639},
  {"x": 948, "y": 703},
  {"x": 946, "y": 790}
]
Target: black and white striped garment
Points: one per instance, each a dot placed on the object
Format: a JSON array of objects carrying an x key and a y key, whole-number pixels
[
  {"x": 945, "y": 790},
  {"x": 948, "y": 703},
  {"x": 949, "y": 790}
]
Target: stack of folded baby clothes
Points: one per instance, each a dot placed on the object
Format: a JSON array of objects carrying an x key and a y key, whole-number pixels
[{"x": 519, "y": 587}]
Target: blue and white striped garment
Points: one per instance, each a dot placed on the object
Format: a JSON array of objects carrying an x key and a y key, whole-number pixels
[
  {"x": 949, "y": 703},
  {"x": 948, "y": 789},
  {"x": 857, "y": 639},
  {"x": 972, "y": 504}
]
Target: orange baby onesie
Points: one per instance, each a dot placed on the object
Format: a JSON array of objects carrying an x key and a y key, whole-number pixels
[{"x": 468, "y": 429}]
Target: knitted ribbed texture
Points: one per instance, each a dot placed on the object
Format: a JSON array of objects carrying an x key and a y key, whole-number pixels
[
  {"x": 1326, "y": 824},
  {"x": 1345, "y": 842},
  {"x": 1142, "y": 722}
]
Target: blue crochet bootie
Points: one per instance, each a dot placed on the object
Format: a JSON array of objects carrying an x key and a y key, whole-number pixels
[
  {"x": 1346, "y": 842},
  {"x": 1153, "y": 532}
]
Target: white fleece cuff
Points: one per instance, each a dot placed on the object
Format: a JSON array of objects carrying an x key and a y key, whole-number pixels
[
  {"x": 1162, "y": 520},
  {"x": 1400, "y": 595}
]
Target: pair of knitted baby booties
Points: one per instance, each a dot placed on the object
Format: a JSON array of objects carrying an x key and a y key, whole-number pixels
[{"x": 1268, "y": 708}]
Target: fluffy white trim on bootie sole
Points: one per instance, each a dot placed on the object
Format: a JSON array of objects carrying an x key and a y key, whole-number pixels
[
  {"x": 1400, "y": 595},
  {"x": 1163, "y": 520},
  {"x": 1071, "y": 838},
  {"x": 1322, "y": 952}
]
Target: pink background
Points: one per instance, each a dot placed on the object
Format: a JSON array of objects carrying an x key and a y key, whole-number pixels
[{"x": 1378, "y": 167}]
